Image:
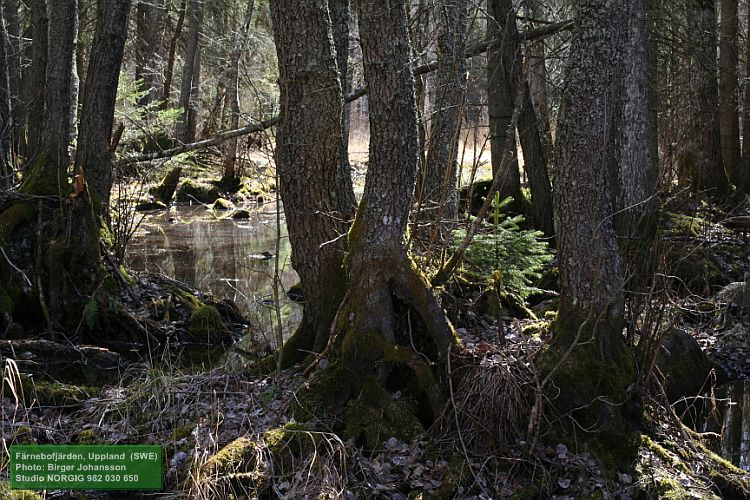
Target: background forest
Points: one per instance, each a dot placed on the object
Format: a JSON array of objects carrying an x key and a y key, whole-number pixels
[{"x": 393, "y": 249}]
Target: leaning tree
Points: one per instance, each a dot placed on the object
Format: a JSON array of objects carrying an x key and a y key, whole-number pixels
[{"x": 388, "y": 307}]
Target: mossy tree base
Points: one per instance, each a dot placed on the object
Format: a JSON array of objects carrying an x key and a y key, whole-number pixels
[
  {"x": 590, "y": 378},
  {"x": 390, "y": 338}
]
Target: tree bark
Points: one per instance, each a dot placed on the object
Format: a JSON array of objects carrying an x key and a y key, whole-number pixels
[
  {"x": 339, "y": 12},
  {"x": 535, "y": 164},
  {"x": 38, "y": 75},
  {"x": 13, "y": 55},
  {"x": 232, "y": 95},
  {"x": 638, "y": 171},
  {"x": 590, "y": 275},
  {"x": 729, "y": 118},
  {"x": 190, "y": 83},
  {"x": 589, "y": 363},
  {"x": 149, "y": 20},
  {"x": 502, "y": 64},
  {"x": 438, "y": 183},
  {"x": 744, "y": 177},
  {"x": 6, "y": 118},
  {"x": 537, "y": 78},
  {"x": 307, "y": 147},
  {"x": 62, "y": 33},
  {"x": 93, "y": 157},
  {"x": 702, "y": 162},
  {"x": 169, "y": 69}
]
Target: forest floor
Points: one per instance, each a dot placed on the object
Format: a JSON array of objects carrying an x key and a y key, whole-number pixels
[{"x": 473, "y": 451}]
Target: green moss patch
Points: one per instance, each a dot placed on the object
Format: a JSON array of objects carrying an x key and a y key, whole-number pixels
[{"x": 190, "y": 190}]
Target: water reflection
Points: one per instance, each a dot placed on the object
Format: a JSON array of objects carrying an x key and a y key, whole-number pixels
[{"x": 222, "y": 256}]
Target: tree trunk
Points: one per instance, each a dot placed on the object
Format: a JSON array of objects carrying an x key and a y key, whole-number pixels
[
  {"x": 638, "y": 170},
  {"x": 55, "y": 274},
  {"x": 13, "y": 55},
  {"x": 93, "y": 157},
  {"x": 232, "y": 95},
  {"x": 38, "y": 75},
  {"x": 189, "y": 85},
  {"x": 339, "y": 12},
  {"x": 502, "y": 65},
  {"x": 6, "y": 119},
  {"x": 59, "y": 88},
  {"x": 438, "y": 183},
  {"x": 729, "y": 118},
  {"x": 535, "y": 165},
  {"x": 149, "y": 19},
  {"x": 702, "y": 162},
  {"x": 169, "y": 69},
  {"x": 308, "y": 136},
  {"x": 372, "y": 340},
  {"x": 537, "y": 79},
  {"x": 744, "y": 177},
  {"x": 590, "y": 364}
]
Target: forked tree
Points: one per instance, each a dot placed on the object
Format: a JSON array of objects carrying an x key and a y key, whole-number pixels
[{"x": 369, "y": 337}]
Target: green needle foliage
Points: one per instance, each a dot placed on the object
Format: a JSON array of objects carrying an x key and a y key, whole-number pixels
[{"x": 508, "y": 255}]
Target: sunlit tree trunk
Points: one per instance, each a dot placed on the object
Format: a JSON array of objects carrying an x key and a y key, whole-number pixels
[
  {"x": 93, "y": 157},
  {"x": 307, "y": 148},
  {"x": 232, "y": 94},
  {"x": 171, "y": 53},
  {"x": 190, "y": 82},
  {"x": 593, "y": 367}
]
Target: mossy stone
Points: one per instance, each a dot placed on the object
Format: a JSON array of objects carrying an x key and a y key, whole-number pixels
[
  {"x": 206, "y": 325},
  {"x": 190, "y": 190},
  {"x": 222, "y": 204}
]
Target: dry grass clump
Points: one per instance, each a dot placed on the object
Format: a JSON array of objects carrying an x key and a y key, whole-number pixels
[{"x": 492, "y": 403}]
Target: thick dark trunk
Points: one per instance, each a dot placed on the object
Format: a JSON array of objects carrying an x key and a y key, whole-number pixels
[
  {"x": 339, "y": 12},
  {"x": 232, "y": 93},
  {"x": 502, "y": 65},
  {"x": 535, "y": 165},
  {"x": 590, "y": 274},
  {"x": 438, "y": 183},
  {"x": 744, "y": 177},
  {"x": 638, "y": 169},
  {"x": 308, "y": 136},
  {"x": 729, "y": 118},
  {"x": 590, "y": 366},
  {"x": 190, "y": 82},
  {"x": 701, "y": 162},
  {"x": 93, "y": 157}
]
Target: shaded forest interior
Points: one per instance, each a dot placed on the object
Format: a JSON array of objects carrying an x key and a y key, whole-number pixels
[{"x": 504, "y": 245}]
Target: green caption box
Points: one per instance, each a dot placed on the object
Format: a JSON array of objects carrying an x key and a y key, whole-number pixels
[{"x": 86, "y": 467}]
